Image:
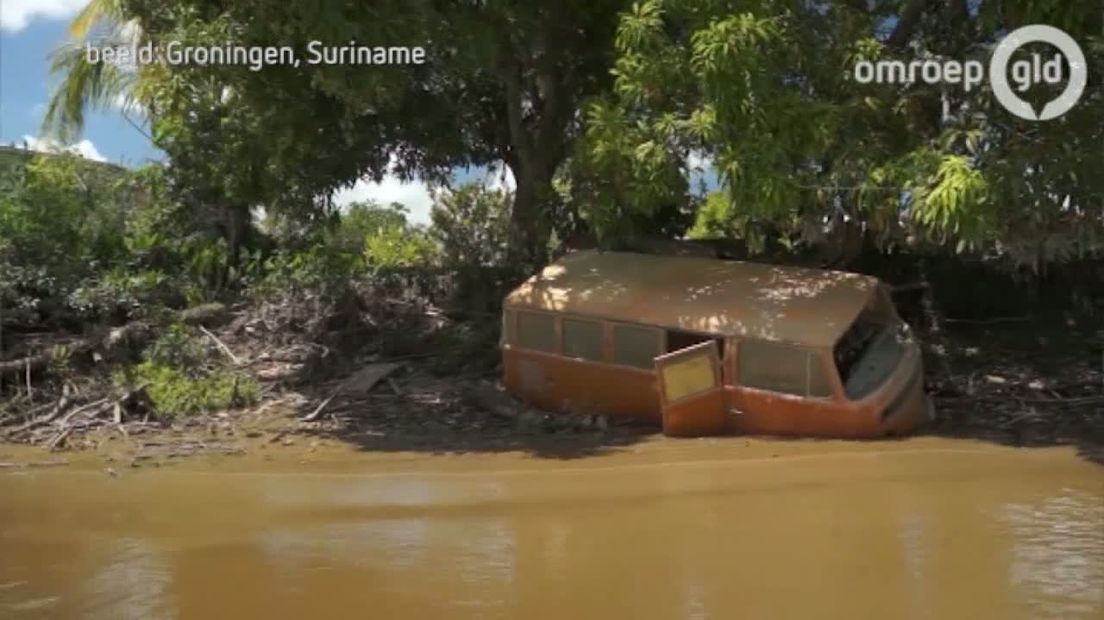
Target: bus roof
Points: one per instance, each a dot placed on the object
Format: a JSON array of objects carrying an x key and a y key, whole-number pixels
[{"x": 728, "y": 298}]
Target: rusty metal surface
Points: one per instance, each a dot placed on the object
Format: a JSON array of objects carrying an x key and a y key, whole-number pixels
[
  {"x": 770, "y": 302},
  {"x": 560, "y": 384}
]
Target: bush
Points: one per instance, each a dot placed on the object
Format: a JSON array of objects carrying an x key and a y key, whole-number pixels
[
  {"x": 178, "y": 379},
  {"x": 174, "y": 392},
  {"x": 398, "y": 246},
  {"x": 121, "y": 291},
  {"x": 319, "y": 268}
]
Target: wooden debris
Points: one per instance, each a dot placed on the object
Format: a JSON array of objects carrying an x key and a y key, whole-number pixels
[
  {"x": 361, "y": 382},
  {"x": 59, "y": 408},
  {"x": 221, "y": 345},
  {"x": 31, "y": 464}
]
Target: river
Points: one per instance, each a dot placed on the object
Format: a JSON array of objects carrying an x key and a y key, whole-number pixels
[{"x": 713, "y": 528}]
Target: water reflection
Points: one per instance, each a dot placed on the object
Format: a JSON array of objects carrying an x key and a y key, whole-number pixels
[
  {"x": 1058, "y": 552},
  {"x": 131, "y": 582}
]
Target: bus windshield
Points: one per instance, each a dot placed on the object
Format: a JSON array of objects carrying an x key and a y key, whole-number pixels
[{"x": 869, "y": 351}]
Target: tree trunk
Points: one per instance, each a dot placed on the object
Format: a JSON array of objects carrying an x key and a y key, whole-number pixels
[
  {"x": 538, "y": 110},
  {"x": 236, "y": 217},
  {"x": 530, "y": 227}
]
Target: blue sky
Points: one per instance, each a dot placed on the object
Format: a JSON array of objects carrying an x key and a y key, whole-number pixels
[
  {"x": 30, "y": 29},
  {"x": 28, "y": 32}
]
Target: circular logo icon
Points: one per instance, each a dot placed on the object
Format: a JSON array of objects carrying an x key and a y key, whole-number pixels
[{"x": 998, "y": 74}]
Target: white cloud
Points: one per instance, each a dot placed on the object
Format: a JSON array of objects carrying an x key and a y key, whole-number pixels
[
  {"x": 501, "y": 179},
  {"x": 698, "y": 162},
  {"x": 15, "y": 15},
  {"x": 128, "y": 106},
  {"x": 84, "y": 148},
  {"x": 414, "y": 195}
]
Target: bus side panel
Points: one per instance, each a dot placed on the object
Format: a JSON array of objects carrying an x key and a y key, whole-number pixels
[
  {"x": 898, "y": 406},
  {"x": 757, "y": 412},
  {"x": 559, "y": 384}
]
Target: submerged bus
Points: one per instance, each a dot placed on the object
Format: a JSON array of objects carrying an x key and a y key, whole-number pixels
[{"x": 705, "y": 346}]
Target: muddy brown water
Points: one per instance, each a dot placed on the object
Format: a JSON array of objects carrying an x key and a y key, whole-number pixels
[{"x": 716, "y": 528}]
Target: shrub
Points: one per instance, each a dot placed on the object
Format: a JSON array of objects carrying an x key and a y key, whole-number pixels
[
  {"x": 398, "y": 246},
  {"x": 174, "y": 392},
  {"x": 178, "y": 380}
]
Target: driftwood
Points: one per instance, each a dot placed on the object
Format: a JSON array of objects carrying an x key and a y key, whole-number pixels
[
  {"x": 221, "y": 345},
  {"x": 83, "y": 408},
  {"x": 52, "y": 463},
  {"x": 59, "y": 439},
  {"x": 361, "y": 382},
  {"x": 133, "y": 332},
  {"x": 41, "y": 360},
  {"x": 990, "y": 321},
  {"x": 59, "y": 407}
]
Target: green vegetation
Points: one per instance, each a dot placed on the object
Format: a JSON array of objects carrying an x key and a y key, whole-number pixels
[
  {"x": 173, "y": 392},
  {"x": 609, "y": 115}
]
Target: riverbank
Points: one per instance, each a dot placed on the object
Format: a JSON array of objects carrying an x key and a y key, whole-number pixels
[{"x": 1019, "y": 381}]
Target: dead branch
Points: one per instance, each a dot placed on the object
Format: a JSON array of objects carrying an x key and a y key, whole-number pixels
[
  {"x": 362, "y": 382},
  {"x": 998, "y": 319},
  {"x": 61, "y": 405},
  {"x": 58, "y": 439},
  {"x": 135, "y": 331},
  {"x": 41, "y": 360},
  {"x": 72, "y": 414},
  {"x": 51, "y": 463},
  {"x": 221, "y": 345}
]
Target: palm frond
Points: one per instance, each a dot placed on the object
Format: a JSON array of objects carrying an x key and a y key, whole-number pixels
[
  {"x": 96, "y": 11},
  {"x": 85, "y": 85}
]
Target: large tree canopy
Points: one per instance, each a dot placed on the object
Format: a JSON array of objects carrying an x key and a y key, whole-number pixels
[
  {"x": 502, "y": 82},
  {"x": 761, "y": 89},
  {"x": 616, "y": 103}
]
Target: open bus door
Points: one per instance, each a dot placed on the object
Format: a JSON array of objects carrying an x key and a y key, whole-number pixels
[{"x": 691, "y": 395}]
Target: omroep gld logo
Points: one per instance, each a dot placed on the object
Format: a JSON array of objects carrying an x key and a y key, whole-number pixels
[{"x": 1025, "y": 73}]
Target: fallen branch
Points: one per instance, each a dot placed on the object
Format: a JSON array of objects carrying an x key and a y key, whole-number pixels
[
  {"x": 53, "y": 463},
  {"x": 69, "y": 416},
  {"x": 57, "y": 440},
  {"x": 998, "y": 319},
  {"x": 363, "y": 381},
  {"x": 221, "y": 345},
  {"x": 59, "y": 408},
  {"x": 41, "y": 360},
  {"x": 206, "y": 314}
]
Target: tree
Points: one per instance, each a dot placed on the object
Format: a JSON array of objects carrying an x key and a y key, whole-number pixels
[
  {"x": 760, "y": 90},
  {"x": 472, "y": 225},
  {"x": 503, "y": 82},
  {"x": 91, "y": 85}
]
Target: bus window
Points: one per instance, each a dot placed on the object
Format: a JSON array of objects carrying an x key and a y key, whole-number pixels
[
  {"x": 782, "y": 368},
  {"x": 536, "y": 331},
  {"x": 582, "y": 339},
  {"x": 635, "y": 346}
]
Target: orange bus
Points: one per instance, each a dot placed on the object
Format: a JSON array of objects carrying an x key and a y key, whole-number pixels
[{"x": 704, "y": 346}]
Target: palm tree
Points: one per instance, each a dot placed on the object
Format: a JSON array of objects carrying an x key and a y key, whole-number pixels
[{"x": 91, "y": 85}]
